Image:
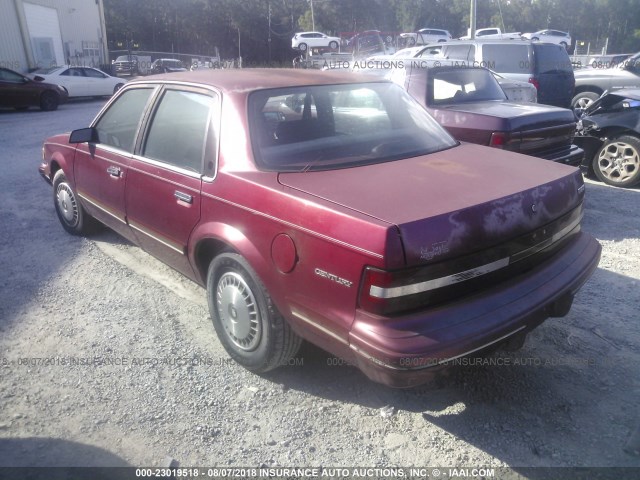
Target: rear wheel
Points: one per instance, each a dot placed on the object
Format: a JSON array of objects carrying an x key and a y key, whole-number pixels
[
  {"x": 70, "y": 213},
  {"x": 617, "y": 163},
  {"x": 249, "y": 326},
  {"x": 333, "y": 45},
  {"x": 564, "y": 45},
  {"x": 49, "y": 101},
  {"x": 584, "y": 99}
]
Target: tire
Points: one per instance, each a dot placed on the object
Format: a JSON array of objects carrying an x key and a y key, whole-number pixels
[
  {"x": 249, "y": 326},
  {"x": 617, "y": 162},
  {"x": 535, "y": 39},
  {"x": 117, "y": 87},
  {"x": 302, "y": 47},
  {"x": 564, "y": 45},
  {"x": 72, "y": 216},
  {"x": 584, "y": 99},
  {"x": 49, "y": 101},
  {"x": 333, "y": 45}
]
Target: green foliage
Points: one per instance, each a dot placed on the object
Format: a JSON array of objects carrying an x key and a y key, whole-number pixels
[{"x": 198, "y": 26}]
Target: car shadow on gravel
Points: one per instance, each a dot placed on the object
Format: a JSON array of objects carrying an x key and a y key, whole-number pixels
[
  {"x": 540, "y": 406},
  {"x": 54, "y": 453}
]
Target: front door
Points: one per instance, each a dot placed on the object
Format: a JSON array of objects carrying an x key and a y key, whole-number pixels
[
  {"x": 164, "y": 183},
  {"x": 101, "y": 168}
]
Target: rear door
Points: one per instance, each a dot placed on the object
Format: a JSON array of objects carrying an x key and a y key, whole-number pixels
[
  {"x": 554, "y": 73},
  {"x": 165, "y": 178}
]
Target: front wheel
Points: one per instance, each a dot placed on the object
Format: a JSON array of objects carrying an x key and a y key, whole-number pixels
[
  {"x": 49, "y": 101},
  {"x": 249, "y": 326},
  {"x": 70, "y": 213},
  {"x": 584, "y": 99},
  {"x": 333, "y": 45},
  {"x": 617, "y": 163},
  {"x": 302, "y": 47}
]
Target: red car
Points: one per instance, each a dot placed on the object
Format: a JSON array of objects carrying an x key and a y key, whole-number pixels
[
  {"x": 331, "y": 207},
  {"x": 21, "y": 92}
]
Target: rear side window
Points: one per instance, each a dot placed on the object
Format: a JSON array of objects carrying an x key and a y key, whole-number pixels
[
  {"x": 507, "y": 58},
  {"x": 118, "y": 126},
  {"x": 178, "y": 132},
  {"x": 461, "y": 52},
  {"x": 551, "y": 59}
]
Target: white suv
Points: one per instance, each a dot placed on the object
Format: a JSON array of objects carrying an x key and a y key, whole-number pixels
[
  {"x": 304, "y": 40},
  {"x": 425, "y": 36},
  {"x": 550, "y": 36}
]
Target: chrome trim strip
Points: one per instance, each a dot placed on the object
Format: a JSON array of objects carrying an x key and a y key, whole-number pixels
[
  {"x": 100, "y": 207},
  {"x": 325, "y": 330},
  {"x": 377, "y": 361},
  {"x": 166, "y": 243},
  {"x": 394, "y": 292},
  {"x": 164, "y": 165},
  {"x": 293, "y": 225},
  {"x": 411, "y": 289}
]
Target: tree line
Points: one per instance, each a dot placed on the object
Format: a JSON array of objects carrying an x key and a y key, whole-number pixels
[{"x": 261, "y": 30}]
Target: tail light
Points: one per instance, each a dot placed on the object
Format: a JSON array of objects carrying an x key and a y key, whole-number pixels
[
  {"x": 534, "y": 81},
  {"x": 498, "y": 140}
]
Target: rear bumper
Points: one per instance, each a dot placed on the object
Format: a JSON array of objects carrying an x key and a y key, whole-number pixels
[
  {"x": 572, "y": 155},
  {"x": 406, "y": 351}
]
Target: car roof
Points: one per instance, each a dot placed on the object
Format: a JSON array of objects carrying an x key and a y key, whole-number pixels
[{"x": 250, "y": 79}]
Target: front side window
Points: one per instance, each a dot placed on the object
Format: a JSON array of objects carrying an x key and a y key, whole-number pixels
[
  {"x": 326, "y": 127},
  {"x": 118, "y": 126},
  {"x": 92, "y": 73},
  {"x": 463, "y": 85},
  {"x": 178, "y": 132}
]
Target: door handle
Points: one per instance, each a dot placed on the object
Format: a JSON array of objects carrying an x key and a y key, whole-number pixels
[
  {"x": 113, "y": 171},
  {"x": 185, "y": 197}
]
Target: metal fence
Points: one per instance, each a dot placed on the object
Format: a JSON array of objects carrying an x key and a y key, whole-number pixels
[{"x": 188, "y": 60}]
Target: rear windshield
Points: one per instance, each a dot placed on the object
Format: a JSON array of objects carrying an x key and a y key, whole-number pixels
[
  {"x": 507, "y": 58},
  {"x": 463, "y": 85},
  {"x": 552, "y": 58},
  {"x": 336, "y": 126}
]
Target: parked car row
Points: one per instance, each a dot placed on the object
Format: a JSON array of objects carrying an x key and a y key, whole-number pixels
[
  {"x": 304, "y": 40},
  {"x": 331, "y": 207},
  {"x": 21, "y": 92}
]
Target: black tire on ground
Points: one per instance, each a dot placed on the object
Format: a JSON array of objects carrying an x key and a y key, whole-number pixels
[
  {"x": 302, "y": 47},
  {"x": 249, "y": 326},
  {"x": 333, "y": 45},
  {"x": 584, "y": 99},
  {"x": 49, "y": 101},
  {"x": 72, "y": 216},
  {"x": 617, "y": 162}
]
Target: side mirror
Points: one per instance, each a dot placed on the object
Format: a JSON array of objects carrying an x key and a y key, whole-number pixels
[{"x": 84, "y": 135}]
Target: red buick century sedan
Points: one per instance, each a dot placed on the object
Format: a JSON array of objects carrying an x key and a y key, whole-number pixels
[{"x": 330, "y": 207}]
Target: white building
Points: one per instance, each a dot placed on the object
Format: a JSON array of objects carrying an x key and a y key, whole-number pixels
[{"x": 42, "y": 33}]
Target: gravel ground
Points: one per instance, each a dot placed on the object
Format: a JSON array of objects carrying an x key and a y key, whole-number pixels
[{"x": 135, "y": 373}]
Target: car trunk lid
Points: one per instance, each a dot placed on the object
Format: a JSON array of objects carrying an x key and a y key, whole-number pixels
[{"x": 451, "y": 203}]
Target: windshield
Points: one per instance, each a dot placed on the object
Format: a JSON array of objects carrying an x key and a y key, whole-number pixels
[
  {"x": 125, "y": 58},
  {"x": 462, "y": 85},
  {"x": 336, "y": 126}
]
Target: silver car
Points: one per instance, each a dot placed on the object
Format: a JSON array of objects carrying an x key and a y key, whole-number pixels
[{"x": 550, "y": 36}]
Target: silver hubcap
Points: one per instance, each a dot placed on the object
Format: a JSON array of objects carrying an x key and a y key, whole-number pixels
[
  {"x": 619, "y": 162},
  {"x": 238, "y": 311},
  {"x": 67, "y": 203},
  {"x": 584, "y": 102}
]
